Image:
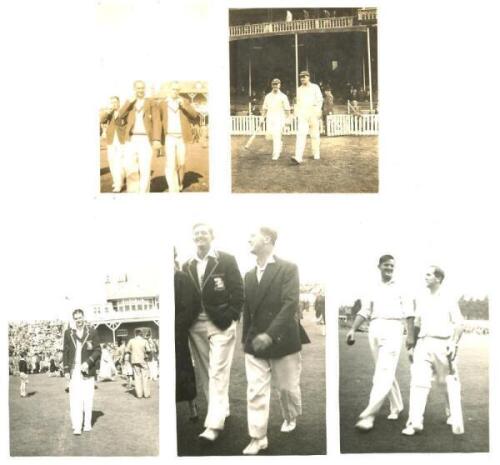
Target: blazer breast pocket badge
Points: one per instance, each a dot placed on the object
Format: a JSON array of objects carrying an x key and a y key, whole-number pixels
[{"x": 219, "y": 284}]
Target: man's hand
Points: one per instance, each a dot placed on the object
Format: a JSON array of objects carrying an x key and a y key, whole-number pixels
[
  {"x": 67, "y": 376},
  {"x": 156, "y": 145},
  {"x": 410, "y": 343},
  {"x": 350, "y": 337},
  {"x": 85, "y": 368},
  {"x": 451, "y": 351},
  {"x": 261, "y": 342}
]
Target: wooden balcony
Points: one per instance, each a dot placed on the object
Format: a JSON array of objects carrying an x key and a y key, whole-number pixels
[{"x": 301, "y": 26}]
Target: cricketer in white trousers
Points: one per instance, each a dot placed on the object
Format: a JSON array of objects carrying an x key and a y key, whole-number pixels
[
  {"x": 429, "y": 359},
  {"x": 81, "y": 399},
  {"x": 175, "y": 149},
  {"x": 385, "y": 337},
  {"x": 116, "y": 164},
  {"x": 284, "y": 372},
  {"x": 137, "y": 164},
  {"x": 276, "y": 106},
  {"x": 141, "y": 380},
  {"x": 308, "y": 112},
  {"x": 212, "y": 350},
  {"x": 438, "y": 316}
]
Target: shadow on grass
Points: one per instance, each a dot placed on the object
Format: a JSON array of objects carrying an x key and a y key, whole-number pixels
[
  {"x": 30, "y": 394},
  {"x": 191, "y": 178},
  {"x": 159, "y": 184},
  {"x": 96, "y": 414}
]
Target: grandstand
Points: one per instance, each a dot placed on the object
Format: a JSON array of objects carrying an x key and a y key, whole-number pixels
[
  {"x": 129, "y": 304},
  {"x": 337, "y": 46}
]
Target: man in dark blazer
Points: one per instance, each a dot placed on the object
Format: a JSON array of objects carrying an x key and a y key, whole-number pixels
[
  {"x": 81, "y": 354},
  {"x": 141, "y": 131},
  {"x": 217, "y": 287},
  {"x": 272, "y": 339},
  {"x": 115, "y": 138},
  {"x": 176, "y": 115}
]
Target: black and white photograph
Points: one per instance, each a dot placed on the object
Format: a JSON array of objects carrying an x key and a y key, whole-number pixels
[
  {"x": 250, "y": 342},
  {"x": 156, "y": 140},
  {"x": 413, "y": 335},
  {"x": 153, "y": 119},
  {"x": 78, "y": 381},
  {"x": 325, "y": 270},
  {"x": 302, "y": 72}
]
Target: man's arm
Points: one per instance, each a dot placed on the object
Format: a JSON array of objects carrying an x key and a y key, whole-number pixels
[
  {"x": 358, "y": 321},
  {"x": 189, "y": 109},
  {"x": 246, "y": 315},
  {"x": 105, "y": 116},
  {"x": 126, "y": 108},
  {"x": 318, "y": 99},
  {"x": 156, "y": 117},
  {"x": 66, "y": 355},
  {"x": 235, "y": 288},
  {"x": 290, "y": 293},
  {"x": 96, "y": 353},
  {"x": 458, "y": 322}
]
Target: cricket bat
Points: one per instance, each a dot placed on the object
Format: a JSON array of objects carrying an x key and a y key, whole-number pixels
[
  {"x": 454, "y": 395},
  {"x": 254, "y": 135}
]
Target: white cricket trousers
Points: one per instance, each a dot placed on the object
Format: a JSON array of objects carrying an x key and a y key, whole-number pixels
[
  {"x": 285, "y": 374},
  {"x": 116, "y": 164},
  {"x": 385, "y": 338},
  {"x": 429, "y": 360},
  {"x": 307, "y": 125},
  {"x": 153, "y": 370},
  {"x": 212, "y": 350},
  {"x": 141, "y": 380},
  {"x": 175, "y": 150},
  {"x": 275, "y": 129},
  {"x": 81, "y": 398},
  {"x": 138, "y": 156}
]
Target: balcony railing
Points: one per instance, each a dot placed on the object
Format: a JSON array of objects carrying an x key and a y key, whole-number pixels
[
  {"x": 300, "y": 25},
  {"x": 369, "y": 14},
  {"x": 107, "y": 313}
]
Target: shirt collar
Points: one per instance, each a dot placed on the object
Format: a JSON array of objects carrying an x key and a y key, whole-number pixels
[
  {"x": 270, "y": 259},
  {"x": 211, "y": 253}
]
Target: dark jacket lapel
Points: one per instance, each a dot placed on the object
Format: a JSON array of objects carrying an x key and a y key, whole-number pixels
[
  {"x": 209, "y": 270},
  {"x": 193, "y": 274},
  {"x": 265, "y": 281}
]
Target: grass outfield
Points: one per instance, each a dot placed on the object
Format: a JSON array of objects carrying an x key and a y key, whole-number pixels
[
  {"x": 40, "y": 423},
  {"x": 196, "y": 178},
  {"x": 348, "y": 164},
  {"x": 309, "y": 438},
  {"x": 356, "y": 371}
]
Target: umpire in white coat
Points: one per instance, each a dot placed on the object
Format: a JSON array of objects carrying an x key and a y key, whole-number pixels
[{"x": 308, "y": 111}]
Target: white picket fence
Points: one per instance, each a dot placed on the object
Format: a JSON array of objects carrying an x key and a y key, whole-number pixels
[{"x": 336, "y": 125}]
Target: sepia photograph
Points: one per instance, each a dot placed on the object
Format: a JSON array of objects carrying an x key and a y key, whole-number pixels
[
  {"x": 79, "y": 380},
  {"x": 250, "y": 342},
  {"x": 413, "y": 331},
  {"x": 302, "y": 72},
  {"x": 154, "y": 137}
]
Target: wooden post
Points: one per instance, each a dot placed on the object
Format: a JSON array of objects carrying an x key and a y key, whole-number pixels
[
  {"x": 296, "y": 63},
  {"x": 369, "y": 68},
  {"x": 249, "y": 82}
]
